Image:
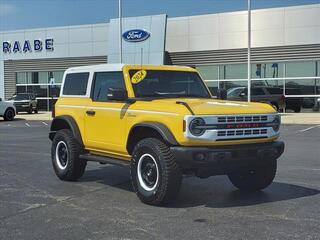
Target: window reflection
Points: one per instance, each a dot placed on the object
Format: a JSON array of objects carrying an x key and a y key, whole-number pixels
[{"x": 45, "y": 85}]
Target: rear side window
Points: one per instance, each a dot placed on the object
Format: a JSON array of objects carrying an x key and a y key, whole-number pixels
[
  {"x": 275, "y": 90},
  {"x": 257, "y": 91},
  {"x": 76, "y": 84},
  {"x": 103, "y": 81}
]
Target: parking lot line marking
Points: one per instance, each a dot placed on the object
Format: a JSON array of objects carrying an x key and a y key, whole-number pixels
[
  {"x": 27, "y": 124},
  {"x": 309, "y": 128},
  {"x": 45, "y": 123}
]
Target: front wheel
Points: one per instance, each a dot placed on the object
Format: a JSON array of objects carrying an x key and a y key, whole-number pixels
[
  {"x": 9, "y": 115},
  {"x": 255, "y": 179},
  {"x": 65, "y": 152},
  {"x": 155, "y": 175}
]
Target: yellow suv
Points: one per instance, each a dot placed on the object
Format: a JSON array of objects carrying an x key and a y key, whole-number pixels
[{"x": 162, "y": 122}]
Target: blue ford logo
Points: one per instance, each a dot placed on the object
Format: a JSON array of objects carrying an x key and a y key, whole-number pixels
[{"x": 135, "y": 35}]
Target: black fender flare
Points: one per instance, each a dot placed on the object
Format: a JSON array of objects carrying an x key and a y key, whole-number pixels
[
  {"x": 63, "y": 122},
  {"x": 163, "y": 130}
]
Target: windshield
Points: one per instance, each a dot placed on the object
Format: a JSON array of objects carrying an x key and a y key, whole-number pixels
[
  {"x": 166, "y": 84},
  {"x": 20, "y": 97},
  {"x": 234, "y": 92}
]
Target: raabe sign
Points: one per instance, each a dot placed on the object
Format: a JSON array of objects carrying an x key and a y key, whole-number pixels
[
  {"x": 136, "y": 35},
  {"x": 27, "y": 46}
]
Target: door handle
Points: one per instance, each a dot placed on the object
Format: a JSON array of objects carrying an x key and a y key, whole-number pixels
[{"x": 90, "y": 113}]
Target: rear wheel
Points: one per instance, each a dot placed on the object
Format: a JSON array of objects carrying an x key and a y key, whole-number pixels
[
  {"x": 297, "y": 109},
  {"x": 65, "y": 156},
  {"x": 30, "y": 110},
  {"x": 254, "y": 179},
  {"x": 155, "y": 175},
  {"x": 9, "y": 115}
]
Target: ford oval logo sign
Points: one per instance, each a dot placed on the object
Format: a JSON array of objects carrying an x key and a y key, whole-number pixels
[{"x": 135, "y": 35}]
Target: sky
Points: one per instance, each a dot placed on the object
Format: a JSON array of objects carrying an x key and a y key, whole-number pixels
[{"x": 22, "y": 14}]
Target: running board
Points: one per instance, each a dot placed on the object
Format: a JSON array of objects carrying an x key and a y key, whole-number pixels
[{"x": 104, "y": 160}]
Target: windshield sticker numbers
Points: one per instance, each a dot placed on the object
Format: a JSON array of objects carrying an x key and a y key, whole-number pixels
[{"x": 138, "y": 76}]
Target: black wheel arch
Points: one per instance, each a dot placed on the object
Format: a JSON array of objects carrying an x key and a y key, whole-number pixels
[
  {"x": 149, "y": 129},
  {"x": 65, "y": 122}
]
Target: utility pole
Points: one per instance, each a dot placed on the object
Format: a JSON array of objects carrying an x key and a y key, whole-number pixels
[
  {"x": 249, "y": 50},
  {"x": 120, "y": 31}
]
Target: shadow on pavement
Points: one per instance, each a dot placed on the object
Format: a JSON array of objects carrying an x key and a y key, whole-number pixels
[
  {"x": 229, "y": 197},
  {"x": 214, "y": 192}
]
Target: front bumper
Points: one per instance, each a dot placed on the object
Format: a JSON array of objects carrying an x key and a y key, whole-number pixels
[{"x": 208, "y": 161}]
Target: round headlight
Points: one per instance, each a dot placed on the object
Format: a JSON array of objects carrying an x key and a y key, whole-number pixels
[
  {"x": 276, "y": 123},
  {"x": 196, "y": 126}
]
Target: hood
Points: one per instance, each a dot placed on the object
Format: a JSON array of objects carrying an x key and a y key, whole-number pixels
[
  {"x": 210, "y": 106},
  {"x": 18, "y": 101}
]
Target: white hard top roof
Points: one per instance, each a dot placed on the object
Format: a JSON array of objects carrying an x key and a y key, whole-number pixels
[
  {"x": 99, "y": 67},
  {"x": 108, "y": 67}
]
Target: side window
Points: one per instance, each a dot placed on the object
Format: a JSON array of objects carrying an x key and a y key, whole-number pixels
[
  {"x": 75, "y": 84},
  {"x": 103, "y": 81},
  {"x": 257, "y": 91}
]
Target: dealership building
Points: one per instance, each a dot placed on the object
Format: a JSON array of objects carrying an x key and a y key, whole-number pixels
[{"x": 285, "y": 50}]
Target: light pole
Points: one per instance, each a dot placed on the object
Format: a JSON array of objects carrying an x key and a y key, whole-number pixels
[
  {"x": 249, "y": 50},
  {"x": 120, "y": 31}
]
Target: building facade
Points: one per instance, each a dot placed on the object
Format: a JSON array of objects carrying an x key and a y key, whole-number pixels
[{"x": 285, "y": 51}]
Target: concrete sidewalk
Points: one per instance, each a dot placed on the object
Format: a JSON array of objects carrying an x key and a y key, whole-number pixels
[
  {"x": 287, "y": 118},
  {"x": 42, "y": 116},
  {"x": 300, "y": 118}
]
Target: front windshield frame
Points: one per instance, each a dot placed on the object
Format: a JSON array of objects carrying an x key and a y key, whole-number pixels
[{"x": 196, "y": 79}]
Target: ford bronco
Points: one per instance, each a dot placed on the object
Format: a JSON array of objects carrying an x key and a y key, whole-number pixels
[{"x": 162, "y": 122}]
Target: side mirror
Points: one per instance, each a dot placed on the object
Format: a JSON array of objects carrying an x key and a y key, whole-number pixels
[
  {"x": 243, "y": 94},
  {"x": 222, "y": 94},
  {"x": 0, "y": 99},
  {"x": 117, "y": 94}
]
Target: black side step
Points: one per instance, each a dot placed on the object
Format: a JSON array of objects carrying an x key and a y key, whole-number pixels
[{"x": 103, "y": 159}]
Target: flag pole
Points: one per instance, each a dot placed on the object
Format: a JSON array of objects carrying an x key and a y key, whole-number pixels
[
  {"x": 120, "y": 31},
  {"x": 249, "y": 50}
]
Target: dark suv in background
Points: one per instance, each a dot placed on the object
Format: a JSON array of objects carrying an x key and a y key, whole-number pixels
[
  {"x": 272, "y": 95},
  {"x": 258, "y": 94},
  {"x": 25, "y": 102}
]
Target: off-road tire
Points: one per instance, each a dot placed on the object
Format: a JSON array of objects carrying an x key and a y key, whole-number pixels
[
  {"x": 254, "y": 179},
  {"x": 297, "y": 109},
  {"x": 168, "y": 185},
  {"x": 9, "y": 115},
  {"x": 30, "y": 110},
  {"x": 75, "y": 166}
]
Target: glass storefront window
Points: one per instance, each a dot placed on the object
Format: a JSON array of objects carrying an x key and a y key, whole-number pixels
[
  {"x": 44, "y": 93},
  {"x": 21, "y": 78},
  {"x": 232, "y": 84},
  {"x": 233, "y": 71},
  {"x": 301, "y": 69},
  {"x": 209, "y": 72},
  {"x": 58, "y": 75},
  {"x": 43, "y": 77},
  {"x": 268, "y": 70}
]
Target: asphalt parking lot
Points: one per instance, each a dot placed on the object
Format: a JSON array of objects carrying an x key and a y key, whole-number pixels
[{"x": 34, "y": 204}]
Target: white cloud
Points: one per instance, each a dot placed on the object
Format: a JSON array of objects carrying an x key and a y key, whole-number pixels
[{"x": 7, "y": 9}]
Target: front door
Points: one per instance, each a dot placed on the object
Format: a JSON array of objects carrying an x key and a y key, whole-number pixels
[{"x": 105, "y": 121}]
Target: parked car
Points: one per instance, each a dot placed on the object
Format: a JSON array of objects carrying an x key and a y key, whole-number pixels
[
  {"x": 162, "y": 122},
  {"x": 7, "y": 110},
  {"x": 258, "y": 94},
  {"x": 293, "y": 103},
  {"x": 25, "y": 102}
]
